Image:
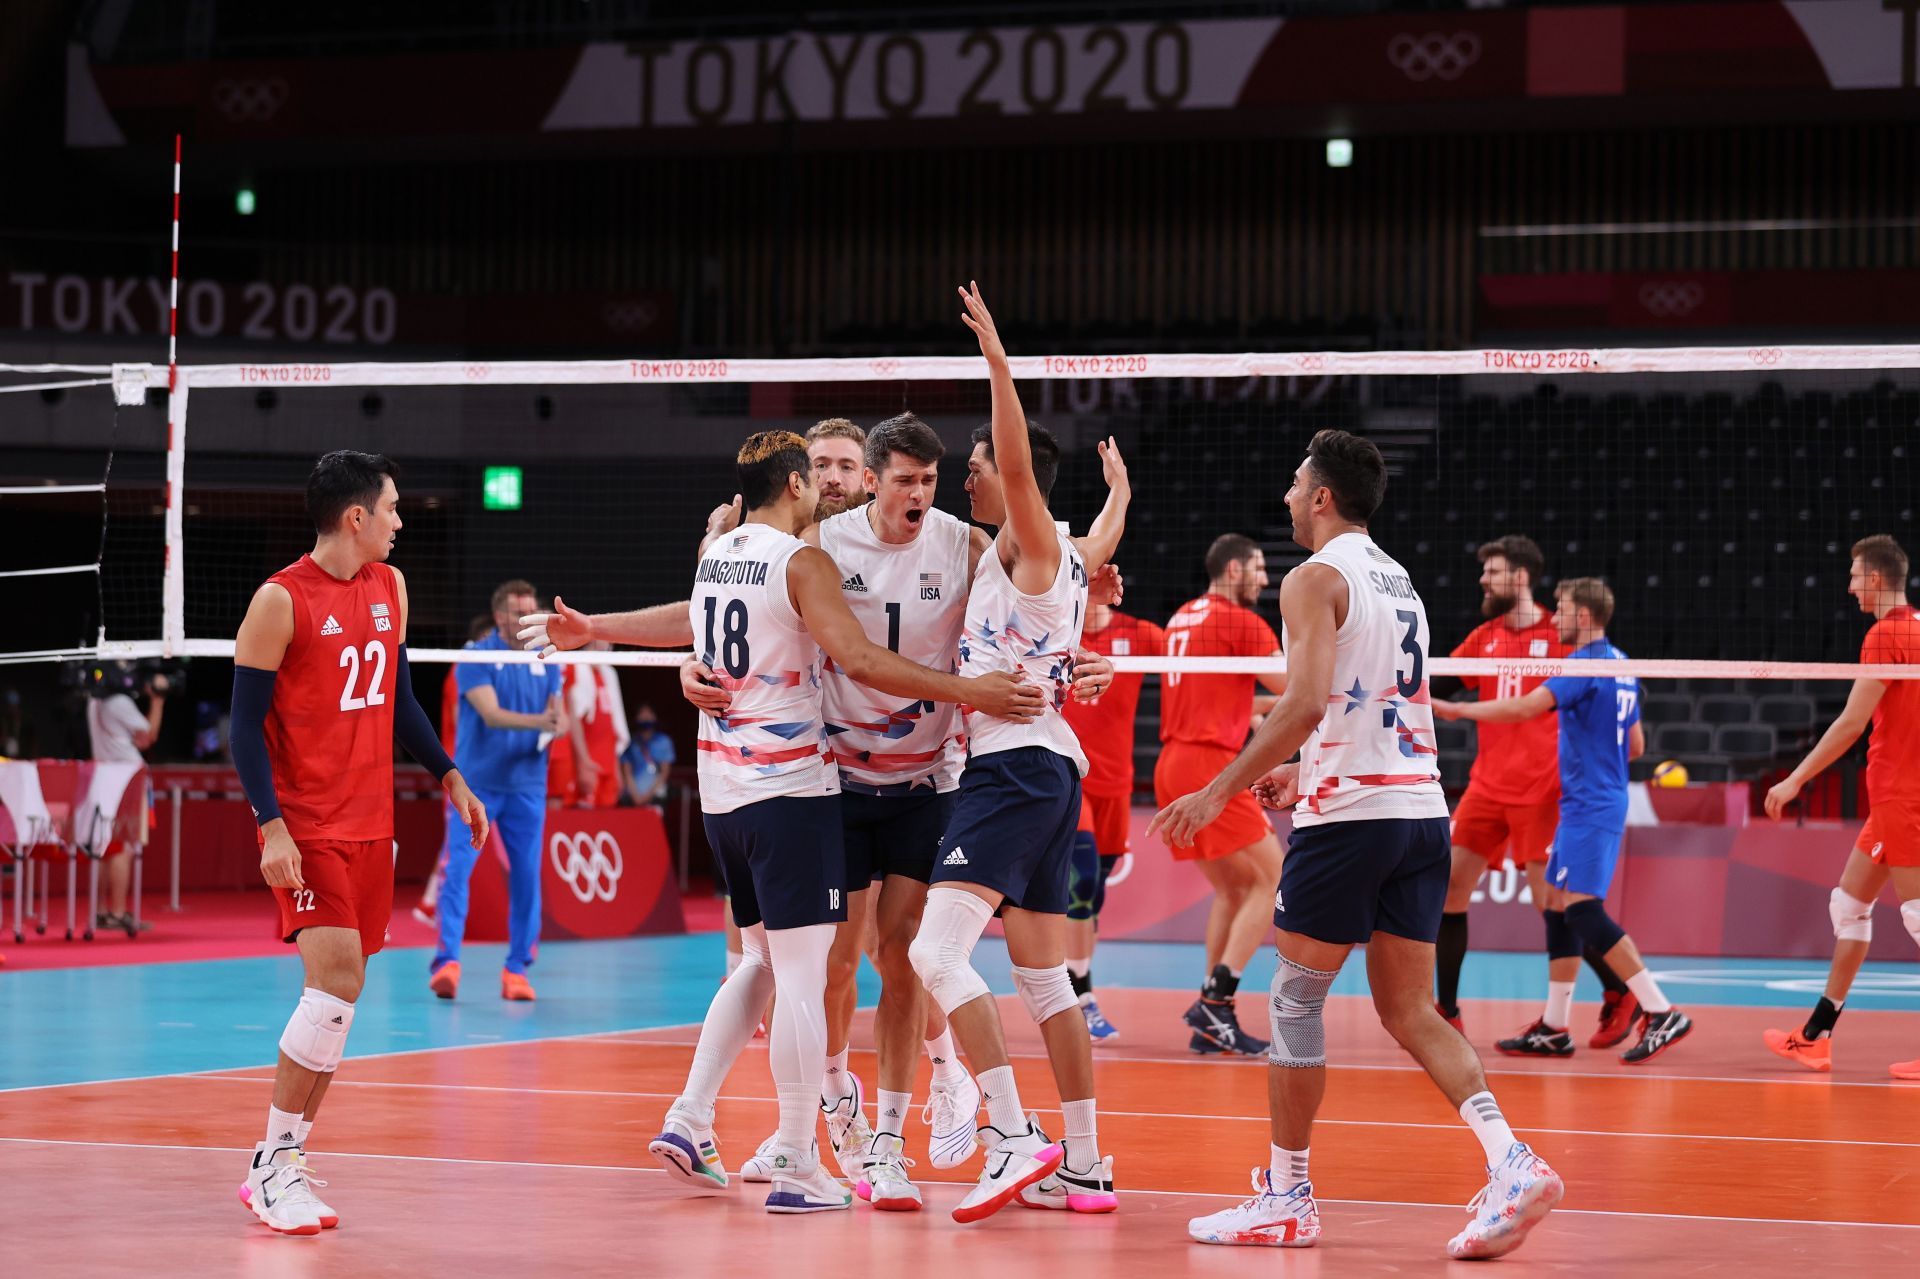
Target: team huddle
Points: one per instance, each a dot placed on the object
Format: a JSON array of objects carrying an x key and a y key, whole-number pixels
[{"x": 888, "y": 761}]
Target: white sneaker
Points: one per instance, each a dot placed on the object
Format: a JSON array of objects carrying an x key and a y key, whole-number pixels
[
  {"x": 1013, "y": 1164},
  {"x": 847, "y": 1129},
  {"x": 951, "y": 1112},
  {"x": 1519, "y": 1194},
  {"x": 277, "y": 1191},
  {"x": 884, "y": 1182},
  {"x": 329, "y": 1219},
  {"x": 687, "y": 1150},
  {"x": 1271, "y": 1219},
  {"x": 801, "y": 1184},
  {"x": 760, "y": 1166},
  {"x": 1066, "y": 1190}
]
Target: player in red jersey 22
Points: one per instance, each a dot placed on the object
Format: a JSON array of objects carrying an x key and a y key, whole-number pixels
[{"x": 320, "y": 690}]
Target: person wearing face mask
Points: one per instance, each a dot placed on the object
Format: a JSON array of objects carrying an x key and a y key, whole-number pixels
[{"x": 644, "y": 764}]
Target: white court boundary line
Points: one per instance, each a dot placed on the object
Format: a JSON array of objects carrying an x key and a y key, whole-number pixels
[
  {"x": 1111, "y": 1114},
  {"x": 1172, "y": 1194}
]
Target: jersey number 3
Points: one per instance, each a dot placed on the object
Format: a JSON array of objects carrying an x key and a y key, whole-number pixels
[
  {"x": 1409, "y": 684},
  {"x": 350, "y": 662}
]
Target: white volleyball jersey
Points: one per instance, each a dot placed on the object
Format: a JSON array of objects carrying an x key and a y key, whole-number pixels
[
  {"x": 1034, "y": 634},
  {"x": 1373, "y": 755},
  {"x": 911, "y": 598},
  {"x": 772, "y": 741}
]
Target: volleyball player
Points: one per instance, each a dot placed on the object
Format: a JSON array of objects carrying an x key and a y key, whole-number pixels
[
  {"x": 321, "y": 688},
  {"x": 1010, "y": 842},
  {"x": 1889, "y": 843},
  {"x": 1105, "y": 727},
  {"x": 766, "y": 606},
  {"x": 1367, "y": 862},
  {"x": 1600, "y": 732},
  {"x": 1512, "y": 802},
  {"x": 1203, "y": 724}
]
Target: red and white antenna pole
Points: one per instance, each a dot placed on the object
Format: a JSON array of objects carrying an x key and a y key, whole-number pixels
[
  {"x": 173, "y": 629},
  {"x": 173, "y": 303}
]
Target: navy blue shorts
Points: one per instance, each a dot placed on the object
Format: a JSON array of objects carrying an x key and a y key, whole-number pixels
[
  {"x": 1582, "y": 857},
  {"x": 1344, "y": 881},
  {"x": 892, "y": 834},
  {"x": 1013, "y": 827},
  {"x": 782, "y": 861}
]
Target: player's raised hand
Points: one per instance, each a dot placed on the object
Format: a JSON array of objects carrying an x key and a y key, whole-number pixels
[
  {"x": 469, "y": 807},
  {"x": 1280, "y": 788},
  {"x": 725, "y": 517},
  {"x": 1107, "y": 586},
  {"x": 1113, "y": 468},
  {"x": 980, "y": 320},
  {"x": 1179, "y": 822},
  {"x": 280, "y": 858},
  {"x": 697, "y": 686},
  {"x": 1092, "y": 675},
  {"x": 1002, "y": 696},
  {"x": 548, "y": 633},
  {"x": 1782, "y": 793}
]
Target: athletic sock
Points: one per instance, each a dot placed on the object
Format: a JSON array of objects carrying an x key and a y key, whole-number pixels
[
  {"x": 1609, "y": 980},
  {"x": 283, "y": 1127},
  {"x": 1825, "y": 1013},
  {"x": 946, "y": 1063},
  {"x": 1083, "y": 1139},
  {"x": 798, "y": 1114},
  {"x": 1222, "y": 985},
  {"x": 301, "y": 1129},
  {"x": 1450, "y": 952},
  {"x": 837, "y": 1083},
  {"x": 1003, "y": 1101},
  {"x": 892, "y": 1114},
  {"x": 1559, "y": 1008},
  {"x": 1286, "y": 1168},
  {"x": 1647, "y": 990},
  {"x": 1482, "y": 1114}
]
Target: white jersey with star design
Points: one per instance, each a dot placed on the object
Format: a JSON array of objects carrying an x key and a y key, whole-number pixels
[
  {"x": 1034, "y": 635},
  {"x": 1372, "y": 756}
]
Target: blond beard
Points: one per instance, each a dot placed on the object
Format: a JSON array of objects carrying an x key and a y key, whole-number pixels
[{"x": 828, "y": 507}]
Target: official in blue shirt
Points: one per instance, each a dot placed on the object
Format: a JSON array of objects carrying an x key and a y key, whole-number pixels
[
  {"x": 1599, "y": 734},
  {"x": 647, "y": 758},
  {"x": 509, "y": 713}
]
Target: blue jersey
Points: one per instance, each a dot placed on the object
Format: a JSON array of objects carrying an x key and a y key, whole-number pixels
[
  {"x": 1597, "y": 715},
  {"x": 503, "y": 758}
]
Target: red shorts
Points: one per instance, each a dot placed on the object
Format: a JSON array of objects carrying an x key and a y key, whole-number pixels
[
  {"x": 1891, "y": 836},
  {"x": 1490, "y": 828},
  {"x": 1185, "y": 767},
  {"x": 1109, "y": 819},
  {"x": 349, "y": 884}
]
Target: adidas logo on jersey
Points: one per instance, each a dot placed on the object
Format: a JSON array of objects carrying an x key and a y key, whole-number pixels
[
  {"x": 331, "y": 628},
  {"x": 854, "y": 584},
  {"x": 955, "y": 858}
]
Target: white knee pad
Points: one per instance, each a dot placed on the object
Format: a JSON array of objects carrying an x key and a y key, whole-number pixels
[
  {"x": 1045, "y": 991},
  {"x": 316, "y": 1034},
  {"x": 1852, "y": 918},
  {"x": 1297, "y": 1015},
  {"x": 1910, "y": 916},
  {"x": 942, "y": 951}
]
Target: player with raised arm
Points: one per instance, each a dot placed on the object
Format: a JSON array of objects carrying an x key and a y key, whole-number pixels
[
  {"x": 1600, "y": 732},
  {"x": 1010, "y": 843},
  {"x": 766, "y": 606},
  {"x": 1368, "y": 859},
  {"x": 1512, "y": 803},
  {"x": 321, "y": 688},
  {"x": 1889, "y": 844},
  {"x": 1204, "y": 719}
]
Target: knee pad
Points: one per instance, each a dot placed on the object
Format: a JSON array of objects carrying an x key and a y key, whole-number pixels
[
  {"x": 316, "y": 1034},
  {"x": 942, "y": 951},
  {"x": 1046, "y": 992},
  {"x": 1297, "y": 1015},
  {"x": 1852, "y": 918},
  {"x": 1591, "y": 924},
  {"x": 1910, "y": 916},
  {"x": 1083, "y": 878},
  {"x": 1562, "y": 942}
]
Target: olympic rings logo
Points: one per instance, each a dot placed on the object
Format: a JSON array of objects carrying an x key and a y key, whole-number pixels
[
  {"x": 1424, "y": 57},
  {"x": 256, "y": 100},
  {"x": 592, "y": 866},
  {"x": 479, "y": 372},
  {"x": 1670, "y": 298},
  {"x": 883, "y": 368},
  {"x": 629, "y": 317},
  {"x": 1764, "y": 355}
]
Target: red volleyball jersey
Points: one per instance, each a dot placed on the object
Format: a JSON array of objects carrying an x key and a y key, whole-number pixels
[
  {"x": 1516, "y": 763},
  {"x": 1213, "y": 710},
  {"x": 1105, "y": 725},
  {"x": 330, "y": 730}
]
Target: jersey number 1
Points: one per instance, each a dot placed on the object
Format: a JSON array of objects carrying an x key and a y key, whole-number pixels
[{"x": 350, "y": 662}]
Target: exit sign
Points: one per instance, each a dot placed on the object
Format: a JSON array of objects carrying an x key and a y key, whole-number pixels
[{"x": 500, "y": 488}]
